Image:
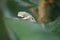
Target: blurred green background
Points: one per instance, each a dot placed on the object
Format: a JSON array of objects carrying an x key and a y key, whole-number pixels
[{"x": 14, "y": 28}]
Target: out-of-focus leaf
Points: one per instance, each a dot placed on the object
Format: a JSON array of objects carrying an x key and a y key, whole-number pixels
[
  {"x": 55, "y": 10},
  {"x": 54, "y": 26},
  {"x": 33, "y": 2},
  {"x": 25, "y": 30},
  {"x": 48, "y": 8},
  {"x": 14, "y": 7},
  {"x": 24, "y": 3},
  {"x": 54, "y": 17},
  {"x": 3, "y": 32}
]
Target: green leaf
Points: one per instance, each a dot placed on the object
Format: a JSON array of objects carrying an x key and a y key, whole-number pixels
[
  {"x": 54, "y": 26},
  {"x": 25, "y": 30},
  {"x": 33, "y": 2},
  {"x": 3, "y": 32}
]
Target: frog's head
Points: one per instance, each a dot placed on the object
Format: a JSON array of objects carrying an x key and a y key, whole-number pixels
[{"x": 26, "y": 16}]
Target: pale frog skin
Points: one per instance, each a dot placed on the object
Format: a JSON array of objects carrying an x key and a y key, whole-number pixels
[{"x": 26, "y": 16}]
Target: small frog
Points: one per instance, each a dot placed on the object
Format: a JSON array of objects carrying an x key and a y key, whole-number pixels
[{"x": 26, "y": 16}]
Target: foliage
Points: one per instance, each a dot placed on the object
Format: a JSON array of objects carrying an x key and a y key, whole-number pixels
[
  {"x": 12, "y": 27},
  {"x": 54, "y": 17}
]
